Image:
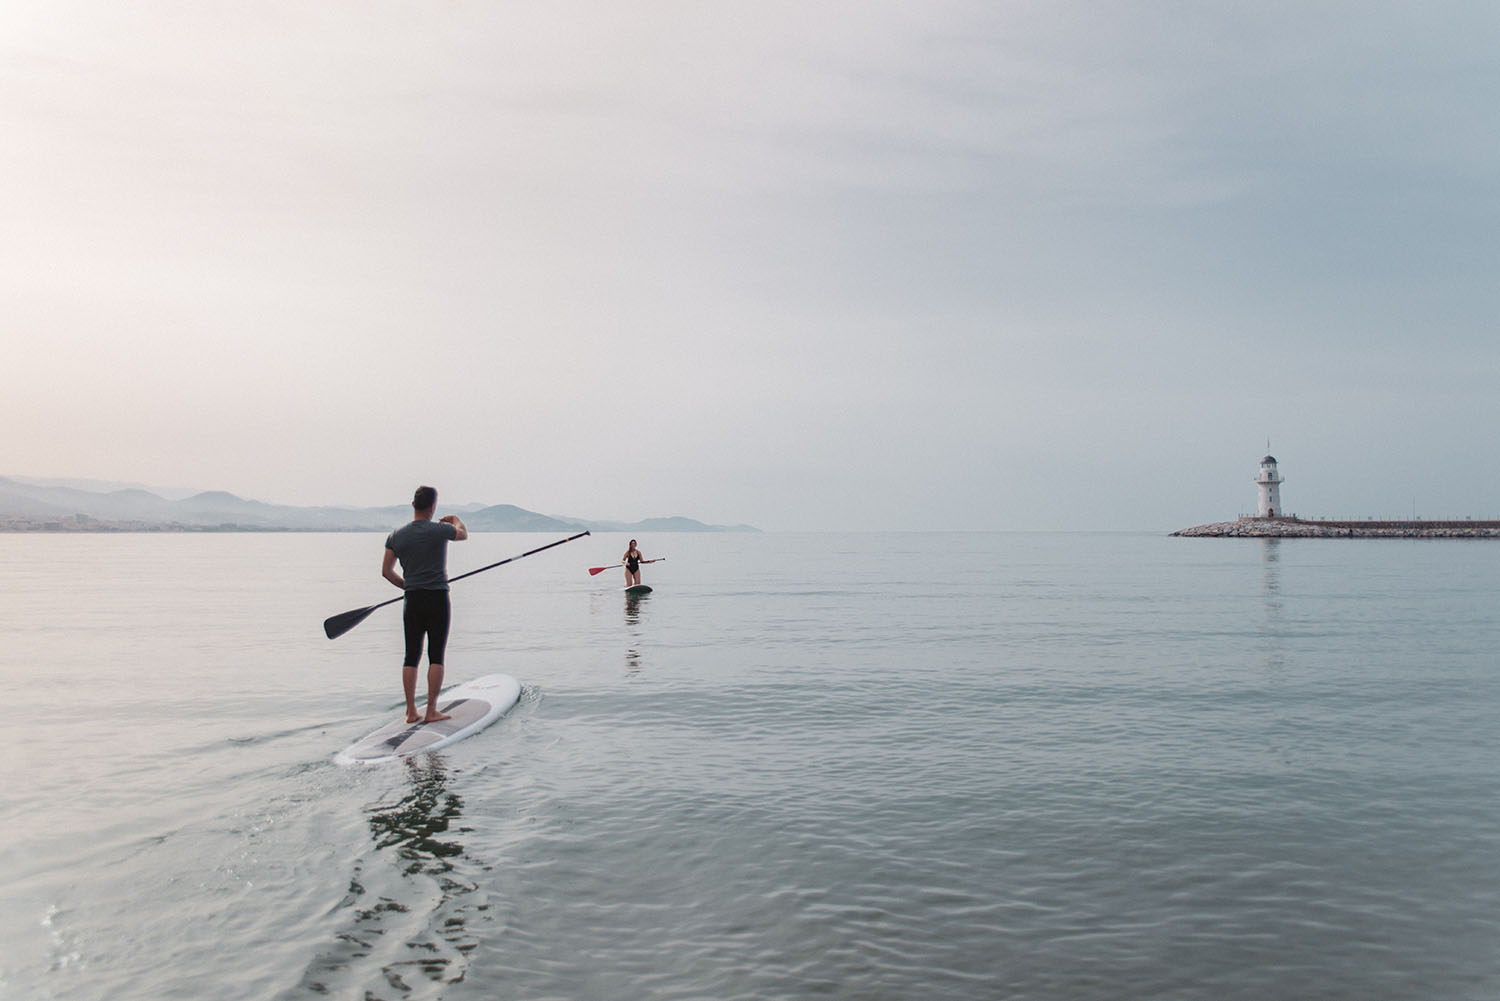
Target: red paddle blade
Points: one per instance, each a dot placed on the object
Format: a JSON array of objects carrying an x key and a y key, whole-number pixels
[{"x": 597, "y": 570}]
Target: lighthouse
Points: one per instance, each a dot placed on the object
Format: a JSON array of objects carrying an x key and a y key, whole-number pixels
[{"x": 1269, "y": 481}]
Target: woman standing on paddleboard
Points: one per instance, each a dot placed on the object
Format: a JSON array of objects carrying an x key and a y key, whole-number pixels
[
  {"x": 422, "y": 548},
  {"x": 632, "y": 560}
]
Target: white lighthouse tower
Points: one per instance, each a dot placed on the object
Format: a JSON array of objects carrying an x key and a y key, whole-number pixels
[{"x": 1269, "y": 482}]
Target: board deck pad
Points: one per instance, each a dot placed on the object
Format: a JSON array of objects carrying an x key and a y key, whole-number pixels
[{"x": 472, "y": 706}]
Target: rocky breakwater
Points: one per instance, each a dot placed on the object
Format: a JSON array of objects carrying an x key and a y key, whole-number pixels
[{"x": 1295, "y": 528}]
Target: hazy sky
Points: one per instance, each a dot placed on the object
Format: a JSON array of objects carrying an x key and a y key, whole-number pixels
[{"x": 864, "y": 265}]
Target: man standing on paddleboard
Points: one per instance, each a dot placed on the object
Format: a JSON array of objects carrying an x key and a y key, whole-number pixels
[{"x": 422, "y": 548}]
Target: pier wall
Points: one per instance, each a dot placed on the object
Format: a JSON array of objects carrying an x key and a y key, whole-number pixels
[{"x": 1296, "y": 528}]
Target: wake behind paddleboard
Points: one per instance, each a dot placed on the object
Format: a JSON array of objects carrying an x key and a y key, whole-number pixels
[
  {"x": 637, "y": 589},
  {"x": 472, "y": 705}
]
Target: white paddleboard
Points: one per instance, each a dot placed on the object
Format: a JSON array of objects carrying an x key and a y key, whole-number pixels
[
  {"x": 636, "y": 590},
  {"x": 473, "y": 705}
]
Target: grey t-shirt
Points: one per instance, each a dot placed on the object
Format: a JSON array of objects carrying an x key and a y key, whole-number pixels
[{"x": 422, "y": 548}]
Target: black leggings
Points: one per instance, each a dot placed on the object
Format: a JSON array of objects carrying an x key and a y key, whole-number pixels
[{"x": 426, "y": 614}]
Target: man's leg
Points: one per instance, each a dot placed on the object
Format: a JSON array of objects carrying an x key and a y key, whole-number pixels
[
  {"x": 415, "y": 628},
  {"x": 409, "y": 683},
  {"x": 437, "y": 643},
  {"x": 434, "y": 686}
]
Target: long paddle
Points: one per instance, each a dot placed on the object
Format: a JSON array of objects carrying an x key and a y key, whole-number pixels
[
  {"x": 337, "y": 625},
  {"x": 598, "y": 570}
]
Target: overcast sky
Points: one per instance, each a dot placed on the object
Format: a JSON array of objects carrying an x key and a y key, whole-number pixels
[{"x": 831, "y": 265}]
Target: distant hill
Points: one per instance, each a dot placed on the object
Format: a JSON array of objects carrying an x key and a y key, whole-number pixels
[{"x": 70, "y": 506}]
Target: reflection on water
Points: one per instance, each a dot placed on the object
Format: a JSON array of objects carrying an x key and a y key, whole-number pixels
[
  {"x": 632, "y": 623},
  {"x": 415, "y": 825},
  {"x": 409, "y": 920},
  {"x": 1270, "y": 557},
  {"x": 1272, "y": 626},
  {"x": 1271, "y": 586}
]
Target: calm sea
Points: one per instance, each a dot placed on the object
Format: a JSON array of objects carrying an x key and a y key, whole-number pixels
[{"x": 924, "y": 766}]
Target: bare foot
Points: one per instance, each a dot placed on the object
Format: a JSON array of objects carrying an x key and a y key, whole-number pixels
[
  {"x": 433, "y": 717},
  {"x": 413, "y": 718}
]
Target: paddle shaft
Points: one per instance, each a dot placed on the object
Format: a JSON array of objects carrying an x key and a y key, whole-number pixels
[
  {"x": 336, "y": 625},
  {"x": 502, "y": 563},
  {"x": 599, "y": 570}
]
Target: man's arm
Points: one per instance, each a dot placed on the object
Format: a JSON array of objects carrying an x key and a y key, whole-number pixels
[
  {"x": 388, "y": 569},
  {"x": 453, "y": 519}
]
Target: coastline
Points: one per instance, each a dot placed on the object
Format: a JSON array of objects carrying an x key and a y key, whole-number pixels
[
  {"x": 78, "y": 524},
  {"x": 1295, "y": 528}
]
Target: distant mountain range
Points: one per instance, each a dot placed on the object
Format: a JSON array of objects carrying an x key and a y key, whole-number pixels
[{"x": 82, "y": 505}]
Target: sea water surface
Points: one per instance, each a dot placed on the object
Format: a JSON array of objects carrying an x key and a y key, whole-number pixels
[{"x": 924, "y": 766}]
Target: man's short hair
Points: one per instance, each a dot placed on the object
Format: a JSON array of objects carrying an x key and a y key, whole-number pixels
[{"x": 424, "y": 498}]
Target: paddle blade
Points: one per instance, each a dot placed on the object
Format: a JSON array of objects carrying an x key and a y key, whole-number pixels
[
  {"x": 594, "y": 571},
  {"x": 337, "y": 625}
]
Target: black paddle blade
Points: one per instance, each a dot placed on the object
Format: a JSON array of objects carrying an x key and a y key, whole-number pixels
[{"x": 337, "y": 625}]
